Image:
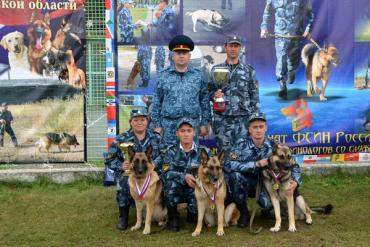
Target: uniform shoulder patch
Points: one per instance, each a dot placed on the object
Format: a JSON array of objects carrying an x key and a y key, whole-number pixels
[{"x": 165, "y": 167}]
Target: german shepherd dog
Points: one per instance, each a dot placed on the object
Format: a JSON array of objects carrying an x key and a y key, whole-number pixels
[
  {"x": 146, "y": 190},
  {"x": 277, "y": 179},
  {"x": 39, "y": 35},
  {"x": 62, "y": 51},
  {"x": 134, "y": 72},
  {"x": 210, "y": 192},
  {"x": 62, "y": 140},
  {"x": 319, "y": 63}
]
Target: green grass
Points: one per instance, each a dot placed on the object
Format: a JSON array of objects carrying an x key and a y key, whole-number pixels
[{"x": 84, "y": 214}]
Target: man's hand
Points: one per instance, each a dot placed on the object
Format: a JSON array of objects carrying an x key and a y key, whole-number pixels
[
  {"x": 306, "y": 35},
  {"x": 290, "y": 190},
  {"x": 126, "y": 165},
  {"x": 218, "y": 94},
  {"x": 203, "y": 131},
  {"x": 190, "y": 180},
  {"x": 262, "y": 163},
  {"x": 159, "y": 130},
  {"x": 264, "y": 34}
]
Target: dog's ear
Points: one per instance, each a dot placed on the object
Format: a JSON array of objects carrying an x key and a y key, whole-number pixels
[
  {"x": 149, "y": 151},
  {"x": 131, "y": 152},
  {"x": 274, "y": 147},
  {"x": 63, "y": 24},
  {"x": 204, "y": 157},
  {"x": 221, "y": 157},
  {"x": 47, "y": 18},
  {"x": 3, "y": 43}
]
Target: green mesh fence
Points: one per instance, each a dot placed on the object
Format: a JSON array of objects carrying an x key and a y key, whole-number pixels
[{"x": 95, "y": 70}]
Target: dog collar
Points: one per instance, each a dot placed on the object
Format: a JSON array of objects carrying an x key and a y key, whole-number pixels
[
  {"x": 212, "y": 197},
  {"x": 141, "y": 191},
  {"x": 276, "y": 176}
]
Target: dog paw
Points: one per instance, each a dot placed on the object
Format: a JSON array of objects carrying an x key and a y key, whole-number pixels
[
  {"x": 195, "y": 234},
  {"x": 135, "y": 228},
  {"x": 309, "y": 221},
  {"x": 161, "y": 223},
  {"x": 220, "y": 233},
  {"x": 275, "y": 229},
  {"x": 292, "y": 229},
  {"x": 146, "y": 231}
]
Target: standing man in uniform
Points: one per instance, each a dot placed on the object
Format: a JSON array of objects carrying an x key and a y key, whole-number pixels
[
  {"x": 180, "y": 163},
  {"x": 159, "y": 58},
  {"x": 180, "y": 92},
  {"x": 165, "y": 27},
  {"x": 126, "y": 25},
  {"x": 240, "y": 94},
  {"x": 229, "y": 3},
  {"x": 6, "y": 119},
  {"x": 144, "y": 56},
  {"x": 290, "y": 28},
  {"x": 243, "y": 167},
  {"x": 141, "y": 138}
]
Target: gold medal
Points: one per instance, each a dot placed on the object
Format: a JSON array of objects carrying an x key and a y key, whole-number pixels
[
  {"x": 212, "y": 207},
  {"x": 275, "y": 186}
]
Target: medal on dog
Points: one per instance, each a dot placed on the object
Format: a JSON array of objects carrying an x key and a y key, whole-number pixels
[
  {"x": 212, "y": 207},
  {"x": 276, "y": 186}
]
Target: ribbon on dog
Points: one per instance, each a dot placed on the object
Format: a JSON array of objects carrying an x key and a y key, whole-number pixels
[
  {"x": 212, "y": 197},
  {"x": 144, "y": 188}
]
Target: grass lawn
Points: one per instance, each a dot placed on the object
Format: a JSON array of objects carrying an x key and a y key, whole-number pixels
[{"x": 84, "y": 214}]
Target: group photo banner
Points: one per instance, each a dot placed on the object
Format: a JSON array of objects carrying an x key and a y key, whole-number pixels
[
  {"x": 42, "y": 81},
  {"x": 318, "y": 49}
]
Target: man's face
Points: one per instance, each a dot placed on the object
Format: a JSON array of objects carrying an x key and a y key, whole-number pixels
[
  {"x": 127, "y": 5},
  {"x": 257, "y": 129},
  {"x": 186, "y": 134},
  {"x": 4, "y": 108},
  {"x": 162, "y": 5},
  {"x": 139, "y": 124},
  {"x": 181, "y": 58},
  {"x": 232, "y": 50}
]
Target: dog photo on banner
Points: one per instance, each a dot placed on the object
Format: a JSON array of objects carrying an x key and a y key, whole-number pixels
[{"x": 42, "y": 81}]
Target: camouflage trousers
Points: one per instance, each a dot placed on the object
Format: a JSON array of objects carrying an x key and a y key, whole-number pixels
[
  {"x": 288, "y": 55},
  {"x": 145, "y": 69},
  {"x": 241, "y": 186},
  {"x": 169, "y": 130},
  {"x": 123, "y": 196},
  {"x": 176, "y": 192},
  {"x": 228, "y": 129}
]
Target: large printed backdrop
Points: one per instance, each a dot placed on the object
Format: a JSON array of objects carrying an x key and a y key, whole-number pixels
[
  {"x": 310, "y": 126},
  {"x": 42, "y": 78}
]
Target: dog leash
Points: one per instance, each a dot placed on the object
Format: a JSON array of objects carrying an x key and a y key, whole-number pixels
[{"x": 258, "y": 192}]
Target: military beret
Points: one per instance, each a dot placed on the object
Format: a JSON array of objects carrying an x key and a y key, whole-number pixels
[
  {"x": 233, "y": 40},
  {"x": 257, "y": 116},
  {"x": 139, "y": 113},
  {"x": 185, "y": 121},
  {"x": 181, "y": 43}
]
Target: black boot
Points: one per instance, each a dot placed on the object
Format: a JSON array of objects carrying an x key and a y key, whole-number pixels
[
  {"x": 173, "y": 220},
  {"x": 283, "y": 90},
  {"x": 191, "y": 217},
  {"x": 123, "y": 218},
  {"x": 291, "y": 78},
  {"x": 244, "y": 215}
]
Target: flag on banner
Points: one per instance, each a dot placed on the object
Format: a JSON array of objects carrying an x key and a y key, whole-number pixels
[
  {"x": 364, "y": 157},
  {"x": 351, "y": 157},
  {"x": 337, "y": 158}
]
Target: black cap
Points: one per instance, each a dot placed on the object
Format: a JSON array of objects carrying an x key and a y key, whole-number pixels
[
  {"x": 233, "y": 40},
  {"x": 257, "y": 116},
  {"x": 181, "y": 43}
]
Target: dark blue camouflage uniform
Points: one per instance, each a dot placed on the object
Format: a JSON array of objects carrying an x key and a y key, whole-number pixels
[
  {"x": 115, "y": 158},
  {"x": 144, "y": 56},
  {"x": 165, "y": 27},
  {"x": 289, "y": 20},
  {"x": 242, "y": 98},
  {"x": 177, "y": 96},
  {"x": 126, "y": 26},
  {"x": 242, "y": 174},
  {"x": 159, "y": 58},
  {"x": 176, "y": 164},
  {"x": 7, "y": 127}
]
